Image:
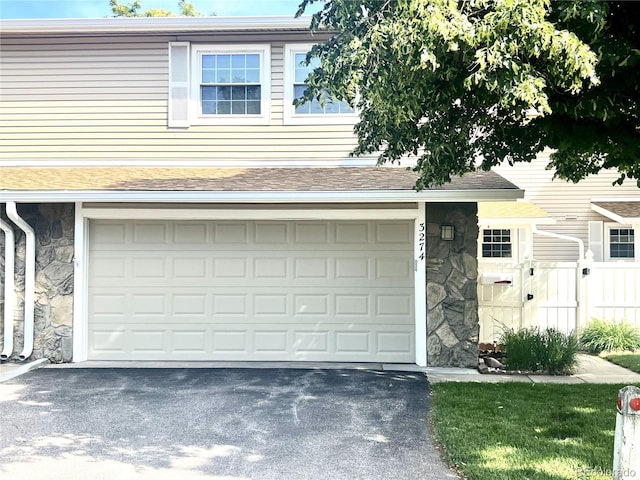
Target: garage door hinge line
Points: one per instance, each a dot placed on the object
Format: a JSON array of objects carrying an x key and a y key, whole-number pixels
[
  {"x": 9, "y": 289},
  {"x": 29, "y": 278}
]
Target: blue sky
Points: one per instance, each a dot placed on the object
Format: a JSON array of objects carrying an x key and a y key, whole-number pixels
[{"x": 100, "y": 8}]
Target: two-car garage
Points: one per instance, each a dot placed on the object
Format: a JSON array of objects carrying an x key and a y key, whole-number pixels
[{"x": 266, "y": 290}]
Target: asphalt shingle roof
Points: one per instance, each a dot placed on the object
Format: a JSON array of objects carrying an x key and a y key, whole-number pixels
[
  {"x": 341, "y": 179},
  {"x": 625, "y": 209}
]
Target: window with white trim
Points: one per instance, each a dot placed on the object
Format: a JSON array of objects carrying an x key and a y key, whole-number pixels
[
  {"x": 621, "y": 243},
  {"x": 312, "y": 112},
  {"x": 497, "y": 243},
  {"x": 230, "y": 84}
]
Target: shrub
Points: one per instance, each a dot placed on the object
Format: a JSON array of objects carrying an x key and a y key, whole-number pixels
[
  {"x": 533, "y": 350},
  {"x": 601, "y": 336},
  {"x": 521, "y": 347},
  {"x": 559, "y": 355}
]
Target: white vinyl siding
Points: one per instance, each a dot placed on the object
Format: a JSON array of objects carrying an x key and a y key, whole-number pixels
[
  {"x": 251, "y": 290},
  {"x": 568, "y": 203},
  {"x": 106, "y": 99}
]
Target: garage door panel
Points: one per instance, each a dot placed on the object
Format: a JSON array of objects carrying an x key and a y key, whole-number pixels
[
  {"x": 306, "y": 235},
  {"x": 198, "y": 304},
  {"x": 270, "y": 342},
  {"x": 110, "y": 343},
  {"x": 394, "y": 342},
  {"x": 297, "y": 270},
  {"x": 151, "y": 234},
  {"x": 316, "y": 291},
  {"x": 394, "y": 233}
]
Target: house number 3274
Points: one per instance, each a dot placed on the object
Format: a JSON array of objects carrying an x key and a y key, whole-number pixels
[{"x": 421, "y": 241}]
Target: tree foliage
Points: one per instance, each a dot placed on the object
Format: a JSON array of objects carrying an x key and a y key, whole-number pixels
[
  {"x": 453, "y": 84},
  {"x": 133, "y": 9}
]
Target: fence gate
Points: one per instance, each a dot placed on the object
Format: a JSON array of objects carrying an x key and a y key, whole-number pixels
[
  {"x": 543, "y": 294},
  {"x": 562, "y": 295}
]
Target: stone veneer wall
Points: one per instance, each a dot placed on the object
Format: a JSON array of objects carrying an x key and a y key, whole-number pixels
[
  {"x": 452, "y": 299},
  {"x": 53, "y": 225}
]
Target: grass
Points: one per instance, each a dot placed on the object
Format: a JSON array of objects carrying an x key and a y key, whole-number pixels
[
  {"x": 515, "y": 431},
  {"x": 625, "y": 359}
]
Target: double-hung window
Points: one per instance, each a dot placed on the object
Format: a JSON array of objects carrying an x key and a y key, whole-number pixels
[
  {"x": 230, "y": 84},
  {"x": 621, "y": 243},
  {"x": 496, "y": 243},
  {"x": 311, "y": 112}
]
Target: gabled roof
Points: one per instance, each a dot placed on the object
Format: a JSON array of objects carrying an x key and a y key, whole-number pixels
[
  {"x": 512, "y": 213},
  {"x": 621, "y": 211},
  {"x": 118, "y": 183}
]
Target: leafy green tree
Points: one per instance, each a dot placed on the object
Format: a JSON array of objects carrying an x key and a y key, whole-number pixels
[
  {"x": 457, "y": 83},
  {"x": 133, "y": 9}
]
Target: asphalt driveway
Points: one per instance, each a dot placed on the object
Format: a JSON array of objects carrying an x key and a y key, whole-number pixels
[{"x": 216, "y": 424}]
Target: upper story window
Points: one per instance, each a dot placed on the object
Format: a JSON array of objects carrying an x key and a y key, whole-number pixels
[
  {"x": 218, "y": 84},
  {"x": 230, "y": 84},
  {"x": 312, "y": 112},
  {"x": 496, "y": 243},
  {"x": 621, "y": 243}
]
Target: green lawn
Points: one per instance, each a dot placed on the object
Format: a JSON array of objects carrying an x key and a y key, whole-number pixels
[
  {"x": 524, "y": 431},
  {"x": 625, "y": 359}
]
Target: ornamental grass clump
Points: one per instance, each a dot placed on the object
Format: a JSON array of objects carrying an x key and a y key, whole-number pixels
[
  {"x": 601, "y": 336},
  {"x": 532, "y": 350}
]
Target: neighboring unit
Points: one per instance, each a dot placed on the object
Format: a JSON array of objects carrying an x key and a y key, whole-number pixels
[
  {"x": 571, "y": 252},
  {"x": 183, "y": 209}
]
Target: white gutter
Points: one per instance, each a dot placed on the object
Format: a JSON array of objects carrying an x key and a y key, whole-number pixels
[
  {"x": 29, "y": 279},
  {"x": 9, "y": 289},
  {"x": 563, "y": 237},
  {"x": 363, "y": 196}
]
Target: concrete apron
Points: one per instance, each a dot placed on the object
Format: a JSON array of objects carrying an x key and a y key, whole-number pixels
[{"x": 590, "y": 369}]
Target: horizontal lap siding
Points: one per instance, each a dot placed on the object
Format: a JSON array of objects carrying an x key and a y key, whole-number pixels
[
  {"x": 64, "y": 99},
  {"x": 569, "y": 203}
]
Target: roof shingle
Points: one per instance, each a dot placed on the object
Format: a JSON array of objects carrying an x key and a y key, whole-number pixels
[{"x": 340, "y": 179}]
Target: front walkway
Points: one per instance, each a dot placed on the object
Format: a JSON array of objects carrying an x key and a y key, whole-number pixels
[{"x": 590, "y": 369}]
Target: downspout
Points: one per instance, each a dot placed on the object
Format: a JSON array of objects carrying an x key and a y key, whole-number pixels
[
  {"x": 563, "y": 237},
  {"x": 9, "y": 288},
  {"x": 29, "y": 279}
]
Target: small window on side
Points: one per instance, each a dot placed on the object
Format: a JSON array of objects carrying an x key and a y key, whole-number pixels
[{"x": 496, "y": 243}]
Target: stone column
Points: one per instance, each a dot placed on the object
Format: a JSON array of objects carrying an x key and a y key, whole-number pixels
[
  {"x": 54, "y": 228},
  {"x": 452, "y": 298}
]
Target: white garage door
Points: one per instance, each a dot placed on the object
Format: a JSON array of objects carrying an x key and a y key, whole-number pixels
[{"x": 251, "y": 290}]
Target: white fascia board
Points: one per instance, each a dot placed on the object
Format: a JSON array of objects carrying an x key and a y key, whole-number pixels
[
  {"x": 248, "y": 214},
  {"x": 43, "y": 196},
  {"x": 155, "y": 25}
]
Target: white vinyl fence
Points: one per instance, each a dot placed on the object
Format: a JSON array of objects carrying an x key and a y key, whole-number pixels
[{"x": 563, "y": 295}]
